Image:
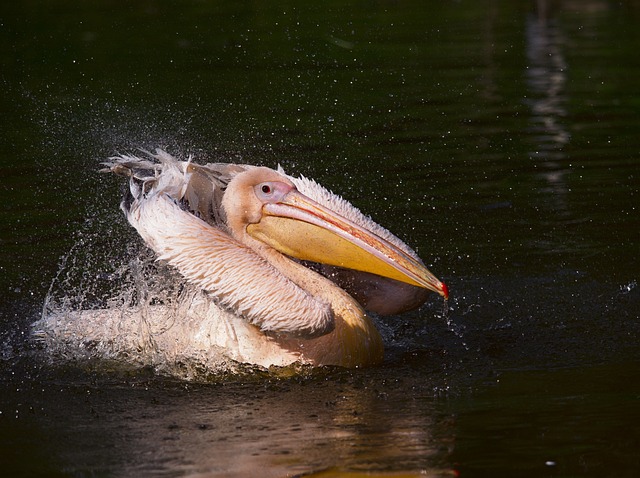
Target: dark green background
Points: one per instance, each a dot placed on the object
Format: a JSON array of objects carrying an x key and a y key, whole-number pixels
[{"x": 501, "y": 139}]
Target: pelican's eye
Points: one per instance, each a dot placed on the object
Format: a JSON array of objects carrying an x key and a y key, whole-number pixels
[{"x": 272, "y": 191}]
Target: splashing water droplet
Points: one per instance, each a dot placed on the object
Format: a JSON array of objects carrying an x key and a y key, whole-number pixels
[{"x": 451, "y": 326}]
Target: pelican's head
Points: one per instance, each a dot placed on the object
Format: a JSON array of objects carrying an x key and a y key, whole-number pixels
[{"x": 266, "y": 206}]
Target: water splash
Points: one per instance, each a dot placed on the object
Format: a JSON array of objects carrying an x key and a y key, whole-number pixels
[
  {"x": 627, "y": 288},
  {"x": 451, "y": 325},
  {"x": 129, "y": 313}
]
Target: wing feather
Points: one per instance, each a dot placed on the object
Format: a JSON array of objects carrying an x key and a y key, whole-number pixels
[{"x": 176, "y": 216}]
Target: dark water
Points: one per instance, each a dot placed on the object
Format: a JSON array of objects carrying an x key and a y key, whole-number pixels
[{"x": 500, "y": 138}]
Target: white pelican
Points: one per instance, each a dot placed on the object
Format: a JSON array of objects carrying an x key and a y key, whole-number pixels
[{"x": 271, "y": 258}]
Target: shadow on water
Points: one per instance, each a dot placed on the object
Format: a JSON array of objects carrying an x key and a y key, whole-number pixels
[{"x": 498, "y": 138}]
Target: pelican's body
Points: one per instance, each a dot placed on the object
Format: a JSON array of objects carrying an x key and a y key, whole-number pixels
[{"x": 257, "y": 249}]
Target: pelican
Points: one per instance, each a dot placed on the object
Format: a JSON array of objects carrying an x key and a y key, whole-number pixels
[{"x": 280, "y": 269}]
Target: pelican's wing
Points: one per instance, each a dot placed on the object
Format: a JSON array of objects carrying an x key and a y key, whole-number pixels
[
  {"x": 207, "y": 256},
  {"x": 199, "y": 188},
  {"x": 205, "y": 187}
]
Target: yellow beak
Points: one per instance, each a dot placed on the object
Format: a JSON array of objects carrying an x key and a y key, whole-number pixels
[{"x": 300, "y": 227}]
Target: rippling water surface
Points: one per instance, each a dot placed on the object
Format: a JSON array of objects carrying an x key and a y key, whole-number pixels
[{"x": 501, "y": 139}]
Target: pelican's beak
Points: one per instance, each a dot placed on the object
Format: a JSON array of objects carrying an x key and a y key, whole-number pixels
[{"x": 300, "y": 227}]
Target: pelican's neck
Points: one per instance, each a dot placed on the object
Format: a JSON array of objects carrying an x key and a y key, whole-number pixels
[{"x": 355, "y": 341}]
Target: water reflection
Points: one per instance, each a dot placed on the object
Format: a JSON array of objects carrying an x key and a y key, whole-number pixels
[
  {"x": 254, "y": 429},
  {"x": 546, "y": 78}
]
